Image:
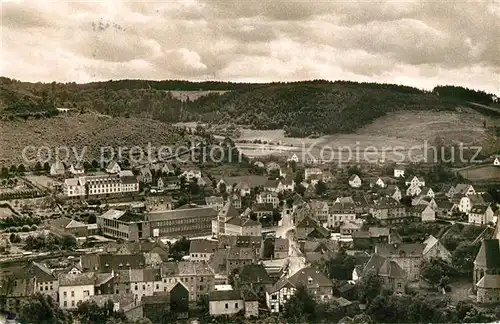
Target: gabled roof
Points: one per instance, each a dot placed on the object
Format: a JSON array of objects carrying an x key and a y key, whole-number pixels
[
  {"x": 36, "y": 270},
  {"x": 400, "y": 250},
  {"x": 489, "y": 254},
  {"x": 307, "y": 222},
  {"x": 429, "y": 243},
  {"x": 214, "y": 200},
  {"x": 310, "y": 277},
  {"x": 254, "y": 273},
  {"x": 225, "y": 295},
  {"x": 240, "y": 253},
  {"x": 242, "y": 222},
  {"x": 479, "y": 209},
  {"x": 391, "y": 269},
  {"x": 462, "y": 188},
  {"x": 228, "y": 211},
  {"x": 202, "y": 246},
  {"x": 354, "y": 176},
  {"x": 81, "y": 279}
]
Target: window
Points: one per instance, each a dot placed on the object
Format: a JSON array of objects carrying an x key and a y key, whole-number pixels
[
  {"x": 72, "y": 293},
  {"x": 274, "y": 297},
  {"x": 65, "y": 304},
  {"x": 143, "y": 287},
  {"x": 135, "y": 287},
  {"x": 157, "y": 286},
  {"x": 226, "y": 306},
  {"x": 86, "y": 293},
  {"x": 236, "y": 305},
  {"x": 399, "y": 285},
  {"x": 41, "y": 288},
  {"x": 72, "y": 303},
  {"x": 65, "y": 294}
]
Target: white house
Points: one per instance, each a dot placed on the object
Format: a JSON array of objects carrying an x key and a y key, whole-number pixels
[
  {"x": 74, "y": 187},
  {"x": 481, "y": 214},
  {"x": 76, "y": 168},
  {"x": 113, "y": 167},
  {"x": 416, "y": 181},
  {"x": 268, "y": 197},
  {"x": 496, "y": 161},
  {"x": 293, "y": 158},
  {"x": 399, "y": 172},
  {"x": 57, "y": 169},
  {"x": 355, "y": 181},
  {"x": 413, "y": 190},
  {"x": 380, "y": 182},
  {"x": 464, "y": 189},
  {"x": 191, "y": 174},
  {"x": 75, "y": 288}
]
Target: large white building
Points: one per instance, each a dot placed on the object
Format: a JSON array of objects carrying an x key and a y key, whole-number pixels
[
  {"x": 98, "y": 185},
  {"x": 75, "y": 288}
]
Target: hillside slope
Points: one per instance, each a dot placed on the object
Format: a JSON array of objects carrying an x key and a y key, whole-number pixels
[
  {"x": 79, "y": 131},
  {"x": 300, "y": 108}
]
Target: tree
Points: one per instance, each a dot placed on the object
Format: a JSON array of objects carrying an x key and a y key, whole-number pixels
[
  {"x": 21, "y": 169},
  {"x": 301, "y": 307},
  {"x": 464, "y": 255},
  {"x": 38, "y": 167},
  {"x": 437, "y": 272},
  {"x": 95, "y": 164},
  {"x": 46, "y": 167},
  {"x": 13, "y": 169},
  {"x": 5, "y": 172},
  {"x": 300, "y": 189},
  {"x": 222, "y": 187},
  {"x": 276, "y": 216},
  {"x": 368, "y": 287},
  {"x": 340, "y": 267},
  {"x": 89, "y": 312},
  {"x": 68, "y": 242},
  {"x": 180, "y": 248},
  {"x": 15, "y": 238},
  {"x": 299, "y": 177},
  {"x": 41, "y": 309},
  {"x": 321, "y": 188}
]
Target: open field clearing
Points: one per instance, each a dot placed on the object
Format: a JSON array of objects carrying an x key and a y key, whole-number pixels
[
  {"x": 481, "y": 173},
  {"x": 193, "y": 95}
]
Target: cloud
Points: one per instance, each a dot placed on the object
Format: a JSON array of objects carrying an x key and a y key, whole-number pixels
[{"x": 418, "y": 43}]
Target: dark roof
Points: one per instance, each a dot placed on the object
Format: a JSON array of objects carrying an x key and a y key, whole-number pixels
[
  {"x": 220, "y": 295},
  {"x": 310, "y": 277},
  {"x": 182, "y": 213},
  {"x": 202, "y": 246},
  {"x": 489, "y": 254},
  {"x": 108, "y": 262},
  {"x": 81, "y": 279},
  {"x": 228, "y": 211},
  {"x": 307, "y": 222},
  {"x": 263, "y": 207},
  {"x": 320, "y": 232},
  {"x": 479, "y": 209},
  {"x": 397, "y": 250},
  {"x": 36, "y": 270},
  {"x": 240, "y": 253},
  {"x": 254, "y": 273},
  {"x": 242, "y": 222}
]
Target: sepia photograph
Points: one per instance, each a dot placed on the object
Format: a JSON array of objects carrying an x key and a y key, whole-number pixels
[{"x": 249, "y": 161}]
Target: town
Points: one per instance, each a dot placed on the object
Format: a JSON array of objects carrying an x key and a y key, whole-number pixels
[{"x": 267, "y": 240}]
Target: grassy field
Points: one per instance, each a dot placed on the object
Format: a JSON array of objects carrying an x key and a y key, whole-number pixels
[
  {"x": 481, "y": 173},
  {"x": 401, "y": 131}
]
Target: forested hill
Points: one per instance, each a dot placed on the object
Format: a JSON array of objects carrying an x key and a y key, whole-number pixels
[{"x": 301, "y": 108}]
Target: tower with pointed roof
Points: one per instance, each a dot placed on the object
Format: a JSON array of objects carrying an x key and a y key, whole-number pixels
[{"x": 226, "y": 213}]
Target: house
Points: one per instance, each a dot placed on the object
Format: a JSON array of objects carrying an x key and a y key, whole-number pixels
[
  {"x": 242, "y": 184},
  {"x": 315, "y": 282},
  {"x": 68, "y": 226},
  {"x": 388, "y": 211},
  {"x": 349, "y": 227},
  {"x": 122, "y": 302},
  {"x": 281, "y": 248},
  {"x": 413, "y": 190},
  {"x": 355, "y": 181},
  {"x": 228, "y": 302},
  {"x": 434, "y": 248},
  {"x": 464, "y": 202},
  {"x": 447, "y": 190},
  {"x": 113, "y": 167},
  {"x": 254, "y": 277},
  {"x": 26, "y": 281},
  {"x": 481, "y": 214},
  {"x": 238, "y": 256},
  {"x": 197, "y": 277},
  {"x": 496, "y": 160},
  {"x": 409, "y": 256},
  {"x": 391, "y": 275},
  {"x": 57, "y": 169},
  {"x": 422, "y": 212},
  {"x": 340, "y": 213},
  {"x": 428, "y": 192},
  {"x": 288, "y": 184},
  {"x": 145, "y": 175},
  {"x": 215, "y": 202},
  {"x": 293, "y": 158},
  {"x": 379, "y": 182},
  {"x": 464, "y": 189},
  {"x": 235, "y": 199},
  {"x": 308, "y": 172},
  {"x": 243, "y": 227},
  {"x": 77, "y": 168},
  {"x": 488, "y": 289},
  {"x": 391, "y": 191},
  {"x": 273, "y": 185},
  {"x": 268, "y": 197},
  {"x": 75, "y": 288},
  {"x": 273, "y": 167},
  {"x": 191, "y": 174},
  {"x": 201, "y": 250},
  {"x": 225, "y": 214},
  {"x": 416, "y": 181},
  {"x": 444, "y": 208},
  {"x": 399, "y": 172},
  {"x": 320, "y": 209},
  {"x": 169, "y": 183},
  {"x": 263, "y": 210},
  {"x": 327, "y": 176},
  {"x": 365, "y": 240}
]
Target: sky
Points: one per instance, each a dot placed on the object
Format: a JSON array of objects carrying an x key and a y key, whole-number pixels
[{"x": 417, "y": 43}]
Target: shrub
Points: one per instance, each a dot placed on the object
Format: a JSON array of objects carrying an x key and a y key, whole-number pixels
[{"x": 26, "y": 228}]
